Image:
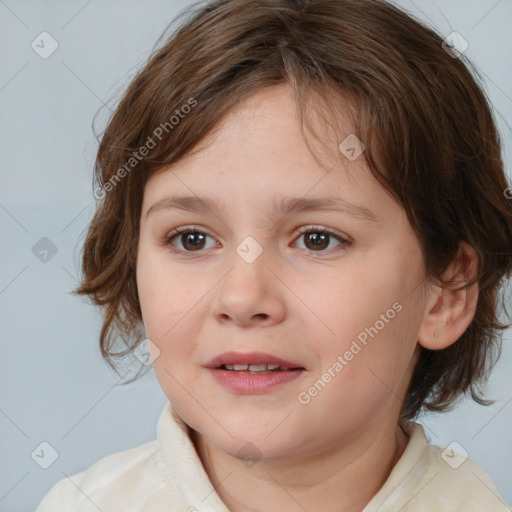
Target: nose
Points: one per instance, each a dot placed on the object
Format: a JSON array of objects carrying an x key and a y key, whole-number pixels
[{"x": 250, "y": 294}]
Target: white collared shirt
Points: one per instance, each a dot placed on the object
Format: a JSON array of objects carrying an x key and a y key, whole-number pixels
[{"x": 166, "y": 475}]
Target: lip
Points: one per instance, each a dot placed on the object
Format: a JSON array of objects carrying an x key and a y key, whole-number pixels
[
  {"x": 249, "y": 358},
  {"x": 250, "y": 383}
]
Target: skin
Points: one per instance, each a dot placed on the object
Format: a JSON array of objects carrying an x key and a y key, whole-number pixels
[{"x": 294, "y": 301}]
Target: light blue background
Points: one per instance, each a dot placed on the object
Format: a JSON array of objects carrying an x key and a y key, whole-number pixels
[{"x": 54, "y": 385}]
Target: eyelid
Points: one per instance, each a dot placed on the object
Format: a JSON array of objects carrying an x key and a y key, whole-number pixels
[
  {"x": 301, "y": 231},
  {"x": 184, "y": 229},
  {"x": 343, "y": 239},
  {"x": 322, "y": 229},
  {"x": 304, "y": 229}
]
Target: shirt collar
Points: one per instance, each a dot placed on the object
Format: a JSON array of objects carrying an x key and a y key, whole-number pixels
[
  {"x": 183, "y": 465},
  {"x": 187, "y": 474}
]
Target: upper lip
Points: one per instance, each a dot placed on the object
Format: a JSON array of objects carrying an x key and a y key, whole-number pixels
[{"x": 249, "y": 358}]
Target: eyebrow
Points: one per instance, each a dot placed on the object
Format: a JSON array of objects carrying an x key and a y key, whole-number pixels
[{"x": 284, "y": 206}]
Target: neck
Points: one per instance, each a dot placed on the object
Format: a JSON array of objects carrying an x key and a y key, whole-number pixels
[{"x": 341, "y": 479}]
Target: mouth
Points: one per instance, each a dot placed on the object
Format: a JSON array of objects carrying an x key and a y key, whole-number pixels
[
  {"x": 256, "y": 369},
  {"x": 253, "y": 373},
  {"x": 258, "y": 362}
]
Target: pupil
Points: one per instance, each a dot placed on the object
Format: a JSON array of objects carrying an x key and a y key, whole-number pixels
[
  {"x": 189, "y": 237},
  {"x": 318, "y": 239}
]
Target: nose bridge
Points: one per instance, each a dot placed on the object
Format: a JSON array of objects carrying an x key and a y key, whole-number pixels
[
  {"x": 248, "y": 290},
  {"x": 249, "y": 262},
  {"x": 251, "y": 250}
]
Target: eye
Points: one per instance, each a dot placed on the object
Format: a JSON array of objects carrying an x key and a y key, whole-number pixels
[
  {"x": 191, "y": 238},
  {"x": 317, "y": 238}
]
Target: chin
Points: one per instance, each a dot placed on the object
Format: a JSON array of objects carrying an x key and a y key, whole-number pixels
[
  {"x": 257, "y": 448},
  {"x": 254, "y": 436}
]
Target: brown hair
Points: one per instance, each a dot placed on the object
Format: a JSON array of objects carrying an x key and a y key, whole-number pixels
[{"x": 430, "y": 138}]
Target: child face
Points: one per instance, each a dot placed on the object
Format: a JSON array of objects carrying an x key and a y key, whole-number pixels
[{"x": 344, "y": 312}]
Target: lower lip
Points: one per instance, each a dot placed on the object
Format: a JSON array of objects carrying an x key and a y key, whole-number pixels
[{"x": 253, "y": 384}]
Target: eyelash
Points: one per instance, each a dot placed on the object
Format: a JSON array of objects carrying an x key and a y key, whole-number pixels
[{"x": 308, "y": 229}]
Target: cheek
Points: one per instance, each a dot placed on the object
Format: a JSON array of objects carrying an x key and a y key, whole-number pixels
[
  {"x": 362, "y": 386},
  {"x": 168, "y": 304},
  {"x": 165, "y": 295},
  {"x": 373, "y": 320},
  {"x": 371, "y": 363},
  {"x": 353, "y": 304}
]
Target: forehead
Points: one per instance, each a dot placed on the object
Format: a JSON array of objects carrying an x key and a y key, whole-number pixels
[
  {"x": 273, "y": 115},
  {"x": 259, "y": 155},
  {"x": 268, "y": 125}
]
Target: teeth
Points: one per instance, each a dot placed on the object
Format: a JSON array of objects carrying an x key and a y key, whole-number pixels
[{"x": 255, "y": 368}]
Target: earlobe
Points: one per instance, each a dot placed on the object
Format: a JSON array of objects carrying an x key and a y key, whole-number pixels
[{"x": 450, "y": 310}]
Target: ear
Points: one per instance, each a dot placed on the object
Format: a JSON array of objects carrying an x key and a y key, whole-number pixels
[{"x": 449, "y": 312}]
